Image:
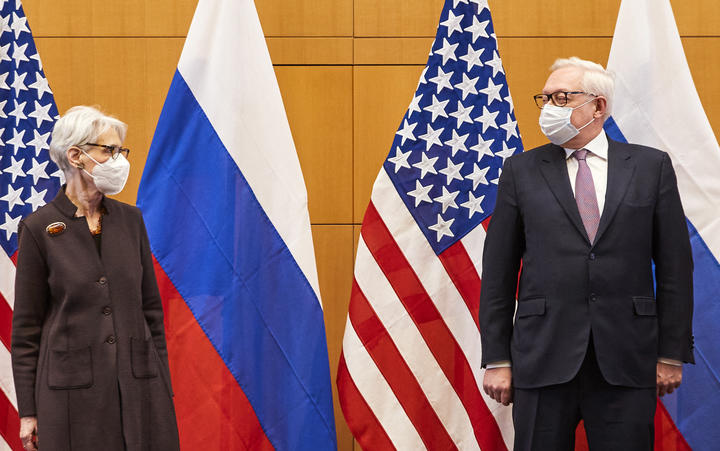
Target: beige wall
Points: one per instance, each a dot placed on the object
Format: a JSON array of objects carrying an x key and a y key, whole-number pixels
[{"x": 347, "y": 70}]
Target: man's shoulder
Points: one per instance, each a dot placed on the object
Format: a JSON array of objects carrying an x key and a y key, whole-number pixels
[
  {"x": 530, "y": 156},
  {"x": 638, "y": 151}
]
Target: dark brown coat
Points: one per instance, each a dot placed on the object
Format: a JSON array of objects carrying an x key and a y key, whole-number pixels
[{"x": 88, "y": 344}]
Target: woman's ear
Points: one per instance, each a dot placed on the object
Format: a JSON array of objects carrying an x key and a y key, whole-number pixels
[{"x": 74, "y": 157}]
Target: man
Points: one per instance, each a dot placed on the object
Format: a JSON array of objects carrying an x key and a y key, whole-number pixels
[{"x": 594, "y": 337}]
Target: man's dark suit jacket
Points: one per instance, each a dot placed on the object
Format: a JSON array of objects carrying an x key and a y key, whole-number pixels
[{"x": 569, "y": 287}]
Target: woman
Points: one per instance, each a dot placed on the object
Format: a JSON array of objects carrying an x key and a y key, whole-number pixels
[{"x": 88, "y": 345}]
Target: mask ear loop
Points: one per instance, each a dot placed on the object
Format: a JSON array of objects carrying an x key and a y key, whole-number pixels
[
  {"x": 591, "y": 120},
  {"x": 581, "y": 105}
]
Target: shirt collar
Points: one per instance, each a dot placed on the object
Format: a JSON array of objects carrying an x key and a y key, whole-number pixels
[{"x": 597, "y": 146}]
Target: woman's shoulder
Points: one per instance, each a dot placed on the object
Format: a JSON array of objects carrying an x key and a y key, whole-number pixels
[
  {"x": 43, "y": 216},
  {"x": 128, "y": 212}
]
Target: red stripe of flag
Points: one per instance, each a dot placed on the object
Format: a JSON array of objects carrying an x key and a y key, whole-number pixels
[
  {"x": 9, "y": 423},
  {"x": 212, "y": 410},
  {"x": 431, "y": 325},
  {"x": 5, "y": 321},
  {"x": 462, "y": 272},
  {"x": 396, "y": 372},
  {"x": 667, "y": 436},
  {"x": 361, "y": 420},
  {"x": 6, "y": 314}
]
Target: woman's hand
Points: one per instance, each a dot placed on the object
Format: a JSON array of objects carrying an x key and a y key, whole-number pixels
[{"x": 28, "y": 433}]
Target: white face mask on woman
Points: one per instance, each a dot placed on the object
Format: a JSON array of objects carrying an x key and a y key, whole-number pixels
[
  {"x": 555, "y": 123},
  {"x": 110, "y": 177}
]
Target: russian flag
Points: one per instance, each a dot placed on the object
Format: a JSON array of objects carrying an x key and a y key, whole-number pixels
[
  {"x": 225, "y": 206},
  {"x": 656, "y": 104}
]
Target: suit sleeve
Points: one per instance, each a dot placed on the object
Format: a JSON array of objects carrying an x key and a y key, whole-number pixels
[
  {"x": 31, "y": 304},
  {"x": 152, "y": 303},
  {"x": 672, "y": 256},
  {"x": 504, "y": 247}
]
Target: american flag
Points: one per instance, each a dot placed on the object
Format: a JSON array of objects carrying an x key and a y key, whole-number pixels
[
  {"x": 28, "y": 178},
  {"x": 410, "y": 374}
]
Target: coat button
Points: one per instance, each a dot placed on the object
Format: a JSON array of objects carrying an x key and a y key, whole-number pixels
[
  {"x": 110, "y": 340},
  {"x": 102, "y": 280},
  {"x": 592, "y": 256},
  {"x": 107, "y": 310},
  {"x": 593, "y": 297}
]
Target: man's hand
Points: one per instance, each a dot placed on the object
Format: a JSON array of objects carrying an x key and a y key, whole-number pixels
[
  {"x": 498, "y": 384},
  {"x": 28, "y": 433},
  {"x": 669, "y": 378}
]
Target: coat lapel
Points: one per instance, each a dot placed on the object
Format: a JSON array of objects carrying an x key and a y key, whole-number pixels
[
  {"x": 554, "y": 169},
  {"x": 620, "y": 172}
]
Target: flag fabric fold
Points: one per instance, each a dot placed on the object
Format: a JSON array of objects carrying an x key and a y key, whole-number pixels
[
  {"x": 410, "y": 375},
  {"x": 656, "y": 104},
  {"x": 225, "y": 205},
  {"x": 28, "y": 178}
]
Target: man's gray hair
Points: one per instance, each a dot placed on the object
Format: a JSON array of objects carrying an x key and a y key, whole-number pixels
[
  {"x": 596, "y": 80},
  {"x": 78, "y": 126}
]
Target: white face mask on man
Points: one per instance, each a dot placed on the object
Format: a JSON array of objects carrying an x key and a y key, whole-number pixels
[
  {"x": 110, "y": 177},
  {"x": 555, "y": 122}
]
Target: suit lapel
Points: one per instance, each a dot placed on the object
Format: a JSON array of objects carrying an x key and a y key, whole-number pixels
[
  {"x": 620, "y": 172},
  {"x": 554, "y": 169}
]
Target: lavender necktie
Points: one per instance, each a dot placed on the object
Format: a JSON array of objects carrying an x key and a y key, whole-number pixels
[{"x": 585, "y": 195}]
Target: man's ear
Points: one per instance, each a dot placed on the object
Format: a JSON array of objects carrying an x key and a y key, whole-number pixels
[{"x": 601, "y": 106}]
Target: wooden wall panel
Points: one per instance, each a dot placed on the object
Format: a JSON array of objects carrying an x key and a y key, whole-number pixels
[
  {"x": 173, "y": 17},
  {"x": 702, "y": 55},
  {"x": 392, "y": 51},
  {"x": 298, "y": 51},
  {"x": 306, "y": 17},
  {"x": 569, "y": 18},
  {"x": 382, "y": 95},
  {"x": 318, "y": 101},
  {"x": 334, "y": 254},
  {"x": 109, "y": 17},
  {"x": 397, "y": 18},
  {"x": 127, "y": 77},
  {"x": 526, "y": 18}
]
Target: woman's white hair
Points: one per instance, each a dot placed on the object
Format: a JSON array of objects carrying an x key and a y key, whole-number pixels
[
  {"x": 596, "y": 80},
  {"x": 78, "y": 126}
]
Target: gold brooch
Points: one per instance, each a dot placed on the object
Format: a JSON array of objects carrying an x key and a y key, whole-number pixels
[{"x": 56, "y": 228}]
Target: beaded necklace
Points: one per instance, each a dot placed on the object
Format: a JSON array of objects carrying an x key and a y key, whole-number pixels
[{"x": 98, "y": 230}]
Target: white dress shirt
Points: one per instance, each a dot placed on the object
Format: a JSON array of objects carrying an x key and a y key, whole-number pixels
[{"x": 597, "y": 160}]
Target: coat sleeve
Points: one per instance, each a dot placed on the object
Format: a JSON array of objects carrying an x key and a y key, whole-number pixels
[
  {"x": 152, "y": 303},
  {"x": 504, "y": 247},
  {"x": 672, "y": 256},
  {"x": 31, "y": 304}
]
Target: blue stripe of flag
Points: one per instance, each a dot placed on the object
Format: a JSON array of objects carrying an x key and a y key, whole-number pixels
[{"x": 232, "y": 268}]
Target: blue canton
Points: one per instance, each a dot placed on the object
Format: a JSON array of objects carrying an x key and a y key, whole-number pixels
[
  {"x": 28, "y": 178},
  {"x": 458, "y": 131}
]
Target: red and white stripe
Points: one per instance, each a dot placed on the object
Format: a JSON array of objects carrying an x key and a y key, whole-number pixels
[
  {"x": 410, "y": 375},
  {"x": 9, "y": 421}
]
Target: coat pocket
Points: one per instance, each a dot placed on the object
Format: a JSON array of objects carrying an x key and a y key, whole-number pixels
[
  {"x": 70, "y": 369},
  {"x": 143, "y": 360},
  {"x": 644, "y": 306},
  {"x": 531, "y": 307}
]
